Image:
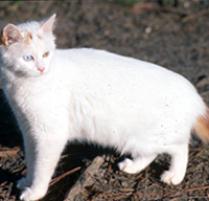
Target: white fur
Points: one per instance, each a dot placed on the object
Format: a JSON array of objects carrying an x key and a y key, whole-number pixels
[{"x": 94, "y": 95}]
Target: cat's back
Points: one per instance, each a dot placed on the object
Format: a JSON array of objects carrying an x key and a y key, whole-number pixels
[
  {"x": 100, "y": 66},
  {"x": 97, "y": 58},
  {"x": 125, "y": 77}
]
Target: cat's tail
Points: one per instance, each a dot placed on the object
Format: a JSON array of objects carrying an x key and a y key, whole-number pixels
[{"x": 201, "y": 127}]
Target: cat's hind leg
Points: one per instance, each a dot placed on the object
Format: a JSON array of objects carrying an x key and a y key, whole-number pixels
[
  {"x": 177, "y": 170},
  {"x": 136, "y": 165}
]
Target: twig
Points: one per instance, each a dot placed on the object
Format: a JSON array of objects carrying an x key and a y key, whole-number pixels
[
  {"x": 197, "y": 188},
  {"x": 85, "y": 180},
  {"x": 139, "y": 8},
  {"x": 9, "y": 152},
  {"x": 60, "y": 177},
  {"x": 179, "y": 193},
  {"x": 196, "y": 15},
  {"x": 174, "y": 11}
]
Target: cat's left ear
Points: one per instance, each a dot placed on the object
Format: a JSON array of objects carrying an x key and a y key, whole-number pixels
[
  {"x": 10, "y": 34},
  {"x": 48, "y": 25}
]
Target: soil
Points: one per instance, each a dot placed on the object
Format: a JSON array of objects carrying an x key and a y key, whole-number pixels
[{"x": 176, "y": 37}]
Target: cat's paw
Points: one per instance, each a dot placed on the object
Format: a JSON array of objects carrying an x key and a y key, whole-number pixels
[
  {"x": 171, "y": 178},
  {"x": 128, "y": 166},
  {"x": 22, "y": 183},
  {"x": 29, "y": 194}
]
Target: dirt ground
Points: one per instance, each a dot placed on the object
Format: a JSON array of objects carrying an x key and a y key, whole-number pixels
[{"x": 174, "y": 37}]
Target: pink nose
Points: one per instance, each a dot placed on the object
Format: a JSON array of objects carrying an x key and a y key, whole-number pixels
[{"x": 41, "y": 69}]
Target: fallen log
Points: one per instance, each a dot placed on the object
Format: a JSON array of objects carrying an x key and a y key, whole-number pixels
[{"x": 85, "y": 181}]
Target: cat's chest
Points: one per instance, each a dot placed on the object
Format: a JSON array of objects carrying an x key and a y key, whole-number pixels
[{"x": 30, "y": 97}]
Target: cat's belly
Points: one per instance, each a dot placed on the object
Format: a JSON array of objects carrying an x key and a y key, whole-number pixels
[{"x": 125, "y": 128}]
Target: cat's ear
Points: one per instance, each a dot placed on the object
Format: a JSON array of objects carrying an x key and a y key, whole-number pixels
[
  {"x": 48, "y": 25},
  {"x": 10, "y": 34}
]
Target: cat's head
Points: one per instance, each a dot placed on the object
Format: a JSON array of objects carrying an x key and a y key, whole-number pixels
[{"x": 27, "y": 49}]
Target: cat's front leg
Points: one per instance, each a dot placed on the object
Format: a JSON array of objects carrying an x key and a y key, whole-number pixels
[
  {"x": 29, "y": 153},
  {"x": 47, "y": 150}
]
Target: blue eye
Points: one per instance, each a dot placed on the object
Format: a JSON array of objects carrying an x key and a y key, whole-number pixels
[{"x": 28, "y": 57}]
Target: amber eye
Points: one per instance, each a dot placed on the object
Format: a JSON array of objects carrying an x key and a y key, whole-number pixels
[{"x": 46, "y": 54}]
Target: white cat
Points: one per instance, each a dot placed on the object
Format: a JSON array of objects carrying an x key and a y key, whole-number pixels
[{"x": 94, "y": 95}]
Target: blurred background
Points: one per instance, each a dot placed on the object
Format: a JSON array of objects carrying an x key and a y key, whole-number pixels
[{"x": 171, "y": 33}]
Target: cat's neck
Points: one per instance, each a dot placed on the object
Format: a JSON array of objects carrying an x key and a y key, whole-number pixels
[{"x": 10, "y": 79}]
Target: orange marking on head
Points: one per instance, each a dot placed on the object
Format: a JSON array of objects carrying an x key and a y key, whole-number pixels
[{"x": 28, "y": 37}]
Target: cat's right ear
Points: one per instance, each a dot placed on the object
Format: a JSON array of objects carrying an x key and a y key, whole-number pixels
[
  {"x": 48, "y": 25},
  {"x": 10, "y": 34}
]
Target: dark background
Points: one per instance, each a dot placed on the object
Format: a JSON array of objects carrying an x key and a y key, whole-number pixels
[{"x": 174, "y": 34}]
